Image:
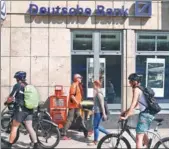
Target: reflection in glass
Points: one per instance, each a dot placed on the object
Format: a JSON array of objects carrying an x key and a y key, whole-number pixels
[
  {"x": 79, "y": 65},
  {"x": 163, "y": 43},
  {"x": 141, "y": 69},
  {"x": 110, "y": 41},
  {"x": 113, "y": 78},
  {"x": 155, "y": 75},
  {"x": 82, "y": 40},
  {"x": 145, "y": 43},
  {"x": 90, "y": 73}
]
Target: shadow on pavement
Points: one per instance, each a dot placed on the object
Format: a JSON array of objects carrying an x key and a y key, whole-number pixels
[
  {"x": 78, "y": 136},
  {"x": 16, "y": 146}
]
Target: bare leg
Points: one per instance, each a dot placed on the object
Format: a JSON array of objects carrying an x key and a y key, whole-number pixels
[
  {"x": 15, "y": 126},
  {"x": 145, "y": 139},
  {"x": 139, "y": 141},
  {"x": 31, "y": 131}
]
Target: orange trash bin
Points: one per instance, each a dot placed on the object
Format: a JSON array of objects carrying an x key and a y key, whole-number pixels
[{"x": 58, "y": 107}]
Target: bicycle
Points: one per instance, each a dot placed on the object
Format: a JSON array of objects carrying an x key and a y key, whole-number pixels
[
  {"x": 121, "y": 140},
  {"x": 42, "y": 124}
]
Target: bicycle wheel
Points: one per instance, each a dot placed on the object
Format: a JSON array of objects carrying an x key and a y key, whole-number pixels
[
  {"x": 5, "y": 121},
  {"x": 113, "y": 141},
  {"x": 164, "y": 143},
  {"x": 48, "y": 135},
  {"x": 8, "y": 130}
]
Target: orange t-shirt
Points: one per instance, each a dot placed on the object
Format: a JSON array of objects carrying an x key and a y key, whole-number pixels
[{"x": 76, "y": 91}]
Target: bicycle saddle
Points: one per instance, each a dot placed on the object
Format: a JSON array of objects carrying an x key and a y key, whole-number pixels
[{"x": 159, "y": 120}]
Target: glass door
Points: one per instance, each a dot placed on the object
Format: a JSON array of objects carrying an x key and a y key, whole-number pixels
[{"x": 97, "y": 55}]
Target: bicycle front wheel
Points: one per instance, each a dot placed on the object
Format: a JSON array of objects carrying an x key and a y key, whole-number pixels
[
  {"x": 5, "y": 121},
  {"x": 113, "y": 141},
  {"x": 48, "y": 135},
  {"x": 164, "y": 143}
]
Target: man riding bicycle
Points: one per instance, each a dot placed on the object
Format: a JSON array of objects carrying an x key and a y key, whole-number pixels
[
  {"x": 21, "y": 113},
  {"x": 145, "y": 118}
]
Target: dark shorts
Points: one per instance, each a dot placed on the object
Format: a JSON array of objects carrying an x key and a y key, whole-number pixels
[{"x": 23, "y": 115}]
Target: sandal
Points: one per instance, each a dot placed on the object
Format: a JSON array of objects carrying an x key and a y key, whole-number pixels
[{"x": 92, "y": 143}]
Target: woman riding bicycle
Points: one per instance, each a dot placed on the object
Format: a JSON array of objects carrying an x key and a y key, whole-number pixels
[
  {"x": 145, "y": 118},
  {"x": 21, "y": 113}
]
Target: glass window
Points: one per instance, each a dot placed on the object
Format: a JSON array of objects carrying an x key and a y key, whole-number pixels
[
  {"x": 82, "y": 40},
  {"x": 145, "y": 42},
  {"x": 110, "y": 41},
  {"x": 141, "y": 69},
  {"x": 113, "y": 78},
  {"x": 163, "y": 43},
  {"x": 79, "y": 65}
]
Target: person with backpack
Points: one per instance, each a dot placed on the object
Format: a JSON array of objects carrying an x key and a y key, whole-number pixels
[
  {"x": 75, "y": 99},
  {"x": 99, "y": 112},
  {"x": 144, "y": 99},
  {"x": 23, "y": 111}
]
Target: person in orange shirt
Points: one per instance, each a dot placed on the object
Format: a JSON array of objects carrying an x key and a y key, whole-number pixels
[{"x": 75, "y": 98}]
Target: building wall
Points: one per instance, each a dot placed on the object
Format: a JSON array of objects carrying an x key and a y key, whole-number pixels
[{"x": 41, "y": 45}]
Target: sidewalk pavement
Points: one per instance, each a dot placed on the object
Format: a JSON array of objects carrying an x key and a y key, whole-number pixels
[{"x": 77, "y": 141}]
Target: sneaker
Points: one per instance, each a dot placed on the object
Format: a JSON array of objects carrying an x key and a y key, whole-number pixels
[
  {"x": 66, "y": 138},
  {"x": 36, "y": 146},
  {"x": 86, "y": 134},
  {"x": 93, "y": 143},
  {"x": 90, "y": 133}
]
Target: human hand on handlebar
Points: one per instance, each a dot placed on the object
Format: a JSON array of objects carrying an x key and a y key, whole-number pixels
[
  {"x": 9, "y": 100},
  {"x": 123, "y": 116}
]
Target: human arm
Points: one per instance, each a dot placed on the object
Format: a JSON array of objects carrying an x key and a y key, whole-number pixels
[
  {"x": 133, "y": 105},
  {"x": 73, "y": 90},
  {"x": 12, "y": 94},
  {"x": 74, "y": 99},
  {"x": 101, "y": 100}
]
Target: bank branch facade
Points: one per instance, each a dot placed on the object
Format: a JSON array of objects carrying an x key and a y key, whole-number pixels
[{"x": 52, "y": 40}]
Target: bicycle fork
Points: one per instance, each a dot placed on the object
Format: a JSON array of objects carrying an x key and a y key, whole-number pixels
[{"x": 118, "y": 140}]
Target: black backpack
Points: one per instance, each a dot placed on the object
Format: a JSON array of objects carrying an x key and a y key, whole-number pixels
[{"x": 153, "y": 107}]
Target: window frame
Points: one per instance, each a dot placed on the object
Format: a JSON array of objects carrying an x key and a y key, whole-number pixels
[
  {"x": 97, "y": 34},
  {"x": 151, "y": 53},
  {"x": 101, "y": 52},
  {"x": 156, "y": 34},
  {"x": 81, "y": 51},
  {"x": 110, "y": 51}
]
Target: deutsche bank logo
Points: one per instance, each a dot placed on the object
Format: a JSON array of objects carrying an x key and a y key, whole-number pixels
[
  {"x": 3, "y": 10},
  {"x": 143, "y": 8}
]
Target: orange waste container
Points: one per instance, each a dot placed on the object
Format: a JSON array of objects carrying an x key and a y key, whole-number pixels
[{"x": 58, "y": 107}]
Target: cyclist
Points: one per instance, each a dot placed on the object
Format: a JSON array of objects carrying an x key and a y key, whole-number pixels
[
  {"x": 145, "y": 118},
  {"x": 21, "y": 113}
]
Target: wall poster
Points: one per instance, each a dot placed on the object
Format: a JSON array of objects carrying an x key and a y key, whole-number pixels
[
  {"x": 90, "y": 76},
  {"x": 155, "y": 75}
]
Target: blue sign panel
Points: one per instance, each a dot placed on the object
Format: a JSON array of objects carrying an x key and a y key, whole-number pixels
[
  {"x": 99, "y": 11},
  {"x": 3, "y": 10},
  {"x": 143, "y": 8}
]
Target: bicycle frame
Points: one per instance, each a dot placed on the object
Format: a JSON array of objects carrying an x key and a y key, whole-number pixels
[{"x": 155, "y": 133}]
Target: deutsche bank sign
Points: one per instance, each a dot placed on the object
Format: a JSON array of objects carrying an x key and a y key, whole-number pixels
[{"x": 99, "y": 11}]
